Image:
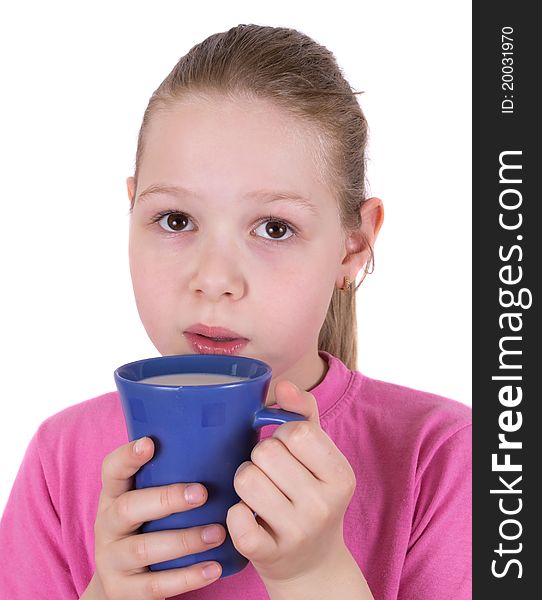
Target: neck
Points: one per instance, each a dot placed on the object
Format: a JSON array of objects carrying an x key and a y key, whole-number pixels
[{"x": 306, "y": 374}]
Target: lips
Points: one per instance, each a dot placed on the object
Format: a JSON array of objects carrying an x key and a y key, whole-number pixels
[
  {"x": 217, "y": 333},
  {"x": 204, "y": 345},
  {"x": 214, "y": 340}
]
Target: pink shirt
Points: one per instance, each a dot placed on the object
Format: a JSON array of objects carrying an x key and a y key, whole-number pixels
[{"x": 408, "y": 524}]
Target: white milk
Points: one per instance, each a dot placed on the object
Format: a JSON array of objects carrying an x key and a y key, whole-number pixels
[{"x": 176, "y": 379}]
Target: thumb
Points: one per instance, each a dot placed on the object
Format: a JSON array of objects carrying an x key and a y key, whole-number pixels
[{"x": 289, "y": 397}]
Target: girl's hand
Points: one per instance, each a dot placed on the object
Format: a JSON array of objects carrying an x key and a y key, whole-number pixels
[
  {"x": 299, "y": 484},
  {"x": 123, "y": 555}
]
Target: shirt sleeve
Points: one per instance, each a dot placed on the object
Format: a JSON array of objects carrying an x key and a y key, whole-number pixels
[
  {"x": 438, "y": 562},
  {"x": 33, "y": 565}
]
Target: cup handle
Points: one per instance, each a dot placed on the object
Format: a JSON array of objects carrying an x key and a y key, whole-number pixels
[{"x": 275, "y": 416}]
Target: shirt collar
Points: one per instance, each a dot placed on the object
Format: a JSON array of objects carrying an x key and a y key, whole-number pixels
[{"x": 334, "y": 384}]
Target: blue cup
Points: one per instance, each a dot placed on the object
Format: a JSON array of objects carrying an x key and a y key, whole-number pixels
[{"x": 201, "y": 433}]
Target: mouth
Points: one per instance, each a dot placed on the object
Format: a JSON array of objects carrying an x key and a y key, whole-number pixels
[
  {"x": 207, "y": 339},
  {"x": 202, "y": 344},
  {"x": 211, "y": 331}
]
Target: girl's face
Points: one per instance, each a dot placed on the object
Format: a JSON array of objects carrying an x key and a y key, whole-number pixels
[{"x": 224, "y": 260}]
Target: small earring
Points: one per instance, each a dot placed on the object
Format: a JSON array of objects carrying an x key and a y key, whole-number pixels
[{"x": 346, "y": 285}]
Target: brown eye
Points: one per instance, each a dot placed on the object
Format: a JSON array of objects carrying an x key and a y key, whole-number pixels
[
  {"x": 173, "y": 221},
  {"x": 276, "y": 230},
  {"x": 177, "y": 221}
]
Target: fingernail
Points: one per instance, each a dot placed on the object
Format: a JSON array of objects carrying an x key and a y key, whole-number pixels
[
  {"x": 210, "y": 535},
  {"x": 138, "y": 446},
  {"x": 243, "y": 465},
  {"x": 194, "y": 494},
  {"x": 211, "y": 571}
]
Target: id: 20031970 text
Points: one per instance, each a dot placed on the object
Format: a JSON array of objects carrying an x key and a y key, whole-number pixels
[{"x": 507, "y": 70}]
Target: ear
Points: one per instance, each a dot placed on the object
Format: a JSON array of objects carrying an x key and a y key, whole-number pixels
[
  {"x": 357, "y": 243},
  {"x": 130, "y": 184}
]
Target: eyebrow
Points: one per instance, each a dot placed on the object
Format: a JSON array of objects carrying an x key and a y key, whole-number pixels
[{"x": 266, "y": 196}]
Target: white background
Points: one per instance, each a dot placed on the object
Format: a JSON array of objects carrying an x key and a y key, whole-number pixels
[{"x": 76, "y": 79}]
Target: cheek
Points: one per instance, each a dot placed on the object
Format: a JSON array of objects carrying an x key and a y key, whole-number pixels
[
  {"x": 309, "y": 292},
  {"x": 152, "y": 282},
  {"x": 295, "y": 304},
  {"x": 293, "y": 318}
]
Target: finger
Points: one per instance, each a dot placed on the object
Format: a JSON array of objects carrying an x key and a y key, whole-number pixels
[
  {"x": 142, "y": 550},
  {"x": 251, "y": 538},
  {"x": 260, "y": 494},
  {"x": 120, "y": 466},
  {"x": 168, "y": 583},
  {"x": 129, "y": 511},
  {"x": 289, "y": 397},
  {"x": 291, "y": 477},
  {"x": 314, "y": 449}
]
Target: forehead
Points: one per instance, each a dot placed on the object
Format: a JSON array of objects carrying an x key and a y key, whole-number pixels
[{"x": 243, "y": 142}]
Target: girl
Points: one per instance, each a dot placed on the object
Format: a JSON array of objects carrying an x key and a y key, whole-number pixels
[{"x": 248, "y": 212}]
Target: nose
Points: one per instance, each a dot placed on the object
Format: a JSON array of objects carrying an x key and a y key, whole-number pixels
[{"x": 218, "y": 274}]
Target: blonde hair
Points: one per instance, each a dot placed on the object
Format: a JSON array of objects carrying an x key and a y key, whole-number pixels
[{"x": 290, "y": 69}]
